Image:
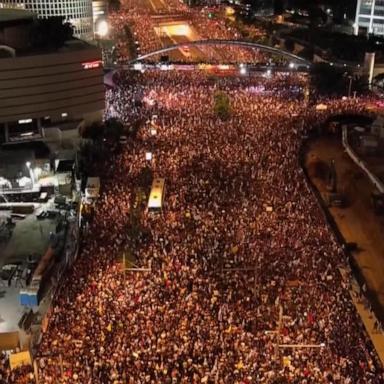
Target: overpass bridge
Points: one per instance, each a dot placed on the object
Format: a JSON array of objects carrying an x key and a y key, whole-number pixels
[
  {"x": 215, "y": 42},
  {"x": 294, "y": 62},
  {"x": 168, "y": 18}
]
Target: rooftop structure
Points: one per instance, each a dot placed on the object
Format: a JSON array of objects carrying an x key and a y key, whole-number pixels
[
  {"x": 12, "y": 15},
  {"x": 33, "y": 200}
]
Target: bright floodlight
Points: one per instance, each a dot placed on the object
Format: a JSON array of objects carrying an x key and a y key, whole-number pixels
[
  {"x": 138, "y": 66},
  {"x": 243, "y": 70},
  {"x": 291, "y": 65},
  {"x": 28, "y": 164},
  {"x": 102, "y": 28},
  {"x": 178, "y": 30},
  {"x": 269, "y": 72}
]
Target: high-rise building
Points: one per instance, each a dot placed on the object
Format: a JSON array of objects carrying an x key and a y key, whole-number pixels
[
  {"x": 369, "y": 17},
  {"x": 77, "y": 12}
]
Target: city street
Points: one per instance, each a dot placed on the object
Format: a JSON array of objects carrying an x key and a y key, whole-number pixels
[
  {"x": 358, "y": 222},
  {"x": 205, "y": 257}
]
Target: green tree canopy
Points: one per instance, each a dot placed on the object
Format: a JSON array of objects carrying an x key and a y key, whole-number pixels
[{"x": 222, "y": 105}]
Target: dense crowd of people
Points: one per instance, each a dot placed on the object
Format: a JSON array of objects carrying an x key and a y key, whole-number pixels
[
  {"x": 150, "y": 35},
  {"x": 20, "y": 375},
  {"x": 242, "y": 263},
  {"x": 239, "y": 281}
]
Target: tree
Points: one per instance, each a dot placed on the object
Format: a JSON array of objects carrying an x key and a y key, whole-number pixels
[
  {"x": 328, "y": 79},
  {"x": 86, "y": 160},
  {"x": 145, "y": 178},
  {"x": 222, "y": 105},
  {"x": 113, "y": 129},
  {"x": 51, "y": 32},
  {"x": 289, "y": 44},
  {"x": 94, "y": 131}
]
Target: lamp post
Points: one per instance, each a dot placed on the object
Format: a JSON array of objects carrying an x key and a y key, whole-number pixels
[
  {"x": 346, "y": 75},
  {"x": 102, "y": 29},
  {"x": 28, "y": 164},
  {"x": 349, "y": 86}
]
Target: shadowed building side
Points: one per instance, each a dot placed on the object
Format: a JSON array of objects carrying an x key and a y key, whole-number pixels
[{"x": 42, "y": 88}]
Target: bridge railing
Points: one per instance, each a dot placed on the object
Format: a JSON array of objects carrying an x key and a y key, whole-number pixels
[{"x": 246, "y": 44}]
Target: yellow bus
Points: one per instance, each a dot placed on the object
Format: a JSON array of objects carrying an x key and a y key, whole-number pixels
[{"x": 156, "y": 197}]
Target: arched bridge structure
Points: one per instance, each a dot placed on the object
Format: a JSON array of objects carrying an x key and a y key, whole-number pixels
[
  {"x": 11, "y": 51},
  {"x": 212, "y": 42}
]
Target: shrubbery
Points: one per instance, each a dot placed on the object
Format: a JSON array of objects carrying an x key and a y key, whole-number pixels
[{"x": 222, "y": 105}]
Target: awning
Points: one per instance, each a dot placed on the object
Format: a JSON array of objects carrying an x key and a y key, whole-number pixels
[{"x": 9, "y": 341}]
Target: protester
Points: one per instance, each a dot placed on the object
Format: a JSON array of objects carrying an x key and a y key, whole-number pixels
[
  {"x": 148, "y": 34},
  {"x": 243, "y": 265},
  {"x": 242, "y": 261},
  {"x": 21, "y": 375}
]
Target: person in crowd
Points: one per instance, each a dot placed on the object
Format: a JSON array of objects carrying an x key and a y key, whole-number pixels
[
  {"x": 243, "y": 264},
  {"x": 243, "y": 286}
]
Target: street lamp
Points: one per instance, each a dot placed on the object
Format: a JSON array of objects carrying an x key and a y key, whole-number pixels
[
  {"x": 28, "y": 164},
  {"x": 138, "y": 66},
  {"x": 102, "y": 28},
  {"x": 350, "y": 78},
  {"x": 349, "y": 86}
]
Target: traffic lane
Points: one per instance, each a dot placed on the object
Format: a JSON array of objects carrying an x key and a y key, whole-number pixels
[
  {"x": 175, "y": 55},
  {"x": 190, "y": 52}
]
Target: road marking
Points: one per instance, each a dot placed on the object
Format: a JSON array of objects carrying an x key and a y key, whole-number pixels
[{"x": 153, "y": 5}]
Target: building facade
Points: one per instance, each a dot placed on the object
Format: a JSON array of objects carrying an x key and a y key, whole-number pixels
[
  {"x": 77, "y": 12},
  {"x": 369, "y": 17},
  {"x": 45, "y": 91},
  {"x": 38, "y": 92}
]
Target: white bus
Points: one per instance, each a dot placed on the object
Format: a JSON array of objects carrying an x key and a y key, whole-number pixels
[{"x": 156, "y": 197}]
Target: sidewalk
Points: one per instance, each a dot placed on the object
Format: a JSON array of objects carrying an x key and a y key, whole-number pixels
[
  {"x": 357, "y": 223},
  {"x": 367, "y": 316}
]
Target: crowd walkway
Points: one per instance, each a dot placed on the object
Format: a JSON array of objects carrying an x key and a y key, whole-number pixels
[
  {"x": 357, "y": 224},
  {"x": 371, "y": 323}
]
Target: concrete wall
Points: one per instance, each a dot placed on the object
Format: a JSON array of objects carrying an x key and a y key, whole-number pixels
[{"x": 378, "y": 69}]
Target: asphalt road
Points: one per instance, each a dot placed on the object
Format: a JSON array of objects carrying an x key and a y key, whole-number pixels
[
  {"x": 157, "y": 6},
  {"x": 358, "y": 222},
  {"x": 196, "y": 54}
]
